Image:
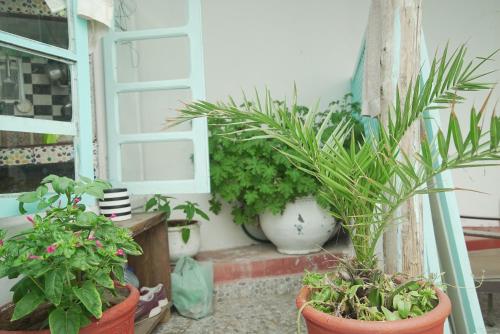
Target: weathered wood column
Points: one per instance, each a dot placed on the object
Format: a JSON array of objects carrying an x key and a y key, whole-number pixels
[{"x": 392, "y": 55}]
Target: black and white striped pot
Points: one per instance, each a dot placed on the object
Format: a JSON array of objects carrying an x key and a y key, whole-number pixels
[{"x": 116, "y": 204}]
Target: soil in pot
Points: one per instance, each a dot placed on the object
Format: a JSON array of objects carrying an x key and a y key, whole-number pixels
[
  {"x": 321, "y": 323},
  {"x": 118, "y": 318}
]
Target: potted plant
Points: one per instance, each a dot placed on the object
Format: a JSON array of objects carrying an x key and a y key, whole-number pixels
[
  {"x": 69, "y": 265},
  {"x": 261, "y": 185},
  {"x": 184, "y": 237},
  {"x": 366, "y": 183}
]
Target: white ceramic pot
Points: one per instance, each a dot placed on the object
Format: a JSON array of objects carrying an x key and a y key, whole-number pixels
[
  {"x": 176, "y": 245},
  {"x": 303, "y": 227}
]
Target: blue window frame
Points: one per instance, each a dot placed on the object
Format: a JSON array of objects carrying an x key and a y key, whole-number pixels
[
  {"x": 80, "y": 127},
  {"x": 196, "y": 136}
]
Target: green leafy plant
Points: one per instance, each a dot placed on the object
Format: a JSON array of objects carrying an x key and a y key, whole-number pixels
[
  {"x": 253, "y": 176},
  {"x": 161, "y": 203},
  {"x": 365, "y": 183},
  {"x": 69, "y": 261}
]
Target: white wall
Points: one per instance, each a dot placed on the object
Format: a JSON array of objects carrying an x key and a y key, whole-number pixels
[
  {"x": 252, "y": 44},
  {"x": 275, "y": 43},
  {"x": 478, "y": 24},
  {"x": 272, "y": 43}
]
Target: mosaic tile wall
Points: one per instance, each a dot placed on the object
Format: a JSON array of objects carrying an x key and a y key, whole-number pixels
[
  {"x": 47, "y": 99},
  {"x": 36, "y": 155},
  {"x": 36, "y": 7}
]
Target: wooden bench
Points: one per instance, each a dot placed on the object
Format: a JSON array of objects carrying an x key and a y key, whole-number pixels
[{"x": 153, "y": 266}]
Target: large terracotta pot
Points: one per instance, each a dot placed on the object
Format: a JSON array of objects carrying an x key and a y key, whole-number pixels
[
  {"x": 321, "y": 323},
  {"x": 117, "y": 320}
]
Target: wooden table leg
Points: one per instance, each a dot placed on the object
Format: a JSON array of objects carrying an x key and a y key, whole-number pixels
[{"x": 153, "y": 266}]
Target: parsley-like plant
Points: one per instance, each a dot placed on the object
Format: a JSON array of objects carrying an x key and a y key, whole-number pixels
[{"x": 253, "y": 176}]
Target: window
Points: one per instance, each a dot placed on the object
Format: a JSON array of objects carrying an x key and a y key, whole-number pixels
[
  {"x": 149, "y": 73},
  {"x": 45, "y": 114}
]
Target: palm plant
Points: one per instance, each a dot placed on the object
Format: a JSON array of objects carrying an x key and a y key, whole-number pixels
[{"x": 365, "y": 183}]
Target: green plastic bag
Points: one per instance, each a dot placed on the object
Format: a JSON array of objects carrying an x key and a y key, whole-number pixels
[{"x": 192, "y": 288}]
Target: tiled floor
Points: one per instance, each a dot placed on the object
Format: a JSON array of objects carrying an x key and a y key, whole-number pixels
[{"x": 259, "y": 315}]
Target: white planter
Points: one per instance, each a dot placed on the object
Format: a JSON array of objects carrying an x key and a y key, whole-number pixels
[
  {"x": 176, "y": 245},
  {"x": 303, "y": 227}
]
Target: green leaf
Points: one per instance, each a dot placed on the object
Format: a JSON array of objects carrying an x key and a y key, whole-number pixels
[
  {"x": 90, "y": 298},
  {"x": 28, "y": 197},
  {"x": 404, "y": 307},
  {"x": 375, "y": 297},
  {"x": 27, "y": 304},
  {"x": 22, "y": 210},
  {"x": 119, "y": 273},
  {"x": 86, "y": 219},
  {"x": 64, "y": 321},
  {"x": 22, "y": 287},
  {"x": 54, "y": 285},
  {"x": 150, "y": 204},
  {"x": 202, "y": 214},
  {"x": 186, "y": 232},
  {"x": 102, "y": 278},
  {"x": 41, "y": 190},
  {"x": 442, "y": 146},
  {"x": 390, "y": 316},
  {"x": 457, "y": 134},
  {"x": 62, "y": 184}
]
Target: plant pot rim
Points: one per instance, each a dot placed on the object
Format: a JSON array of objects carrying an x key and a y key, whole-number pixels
[
  {"x": 428, "y": 320},
  {"x": 107, "y": 316},
  {"x": 183, "y": 223}
]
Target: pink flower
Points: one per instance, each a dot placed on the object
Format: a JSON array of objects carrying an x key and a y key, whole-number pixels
[
  {"x": 1, "y": 242},
  {"x": 98, "y": 244},
  {"x": 52, "y": 248},
  {"x": 76, "y": 200},
  {"x": 34, "y": 257},
  {"x": 30, "y": 219},
  {"x": 113, "y": 215},
  {"x": 120, "y": 252}
]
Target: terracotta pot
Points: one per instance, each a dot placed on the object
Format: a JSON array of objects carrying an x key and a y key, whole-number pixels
[
  {"x": 117, "y": 320},
  {"x": 321, "y": 323}
]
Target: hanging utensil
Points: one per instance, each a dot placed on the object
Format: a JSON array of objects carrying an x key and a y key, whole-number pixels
[{"x": 9, "y": 86}]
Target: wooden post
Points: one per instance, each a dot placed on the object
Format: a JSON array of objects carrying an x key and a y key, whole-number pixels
[
  {"x": 392, "y": 54},
  {"x": 411, "y": 211}
]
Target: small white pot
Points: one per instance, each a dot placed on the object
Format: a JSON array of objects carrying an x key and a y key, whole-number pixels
[
  {"x": 176, "y": 245},
  {"x": 303, "y": 227}
]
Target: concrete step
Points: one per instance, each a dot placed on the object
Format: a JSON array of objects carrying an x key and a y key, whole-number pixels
[{"x": 262, "y": 260}]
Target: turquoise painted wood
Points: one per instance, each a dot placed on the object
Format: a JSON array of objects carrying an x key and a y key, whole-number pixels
[
  {"x": 198, "y": 134},
  {"x": 466, "y": 316},
  {"x": 81, "y": 126}
]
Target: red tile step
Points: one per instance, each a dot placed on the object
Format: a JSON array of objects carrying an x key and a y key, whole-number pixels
[
  {"x": 263, "y": 260},
  {"x": 478, "y": 243}
]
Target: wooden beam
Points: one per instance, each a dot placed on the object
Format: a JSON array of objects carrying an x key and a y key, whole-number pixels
[{"x": 412, "y": 210}]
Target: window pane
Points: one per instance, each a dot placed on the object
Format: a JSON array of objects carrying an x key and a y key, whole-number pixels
[
  {"x": 33, "y": 86},
  {"x": 150, "y": 14},
  {"x": 26, "y": 158},
  {"x": 33, "y": 19},
  {"x": 153, "y": 59},
  {"x": 142, "y": 112},
  {"x": 157, "y": 161}
]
